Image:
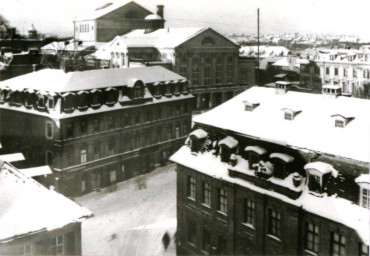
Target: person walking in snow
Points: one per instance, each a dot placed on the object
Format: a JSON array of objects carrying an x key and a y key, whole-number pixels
[{"x": 166, "y": 240}]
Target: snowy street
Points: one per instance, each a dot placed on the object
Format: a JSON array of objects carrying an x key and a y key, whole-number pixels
[{"x": 129, "y": 220}]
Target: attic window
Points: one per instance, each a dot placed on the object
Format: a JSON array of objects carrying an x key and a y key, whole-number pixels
[
  {"x": 364, "y": 183},
  {"x": 318, "y": 174},
  {"x": 341, "y": 121},
  {"x": 290, "y": 114},
  {"x": 250, "y": 106}
]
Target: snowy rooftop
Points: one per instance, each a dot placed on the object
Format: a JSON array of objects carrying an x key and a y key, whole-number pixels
[
  {"x": 57, "y": 80},
  {"x": 313, "y": 129},
  {"x": 331, "y": 207},
  {"x": 28, "y": 207},
  {"x": 161, "y": 38}
]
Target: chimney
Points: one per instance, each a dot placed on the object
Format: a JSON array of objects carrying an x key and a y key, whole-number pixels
[{"x": 160, "y": 10}]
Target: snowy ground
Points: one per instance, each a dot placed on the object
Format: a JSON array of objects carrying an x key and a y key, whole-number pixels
[{"x": 132, "y": 221}]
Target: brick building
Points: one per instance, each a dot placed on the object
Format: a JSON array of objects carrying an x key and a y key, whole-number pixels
[
  {"x": 94, "y": 128},
  {"x": 35, "y": 220},
  {"x": 270, "y": 173}
]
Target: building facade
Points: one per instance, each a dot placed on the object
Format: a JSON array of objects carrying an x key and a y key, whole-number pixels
[
  {"x": 252, "y": 181},
  {"x": 52, "y": 226},
  {"x": 349, "y": 69},
  {"x": 110, "y": 20},
  {"x": 94, "y": 131},
  {"x": 207, "y": 59}
]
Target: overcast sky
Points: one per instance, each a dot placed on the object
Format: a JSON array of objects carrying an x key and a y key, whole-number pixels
[{"x": 351, "y": 17}]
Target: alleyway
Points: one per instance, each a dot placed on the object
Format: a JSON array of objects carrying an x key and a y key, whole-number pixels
[{"x": 129, "y": 220}]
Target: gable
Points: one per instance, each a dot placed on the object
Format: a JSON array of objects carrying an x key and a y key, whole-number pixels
[
  {"x": 209, "y": 38},
  {"x": 130, "y": 10}
]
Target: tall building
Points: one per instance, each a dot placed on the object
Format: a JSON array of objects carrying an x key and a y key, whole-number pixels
[
  {"x": 206, "y": 58},
  {"x": 276, "y": 172},
  {"x": 110, "y": 20},
  {"x": 94, "y": 128},
  {"x": 35, "y": 220}
]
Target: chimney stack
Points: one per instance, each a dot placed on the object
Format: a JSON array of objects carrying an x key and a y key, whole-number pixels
[{"x": 160, "y": 10}]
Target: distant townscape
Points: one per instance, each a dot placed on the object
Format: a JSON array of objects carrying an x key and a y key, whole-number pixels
[{"x": 132, "y": 137}]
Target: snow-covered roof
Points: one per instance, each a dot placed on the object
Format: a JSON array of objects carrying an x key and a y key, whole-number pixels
[
  {"x": 153, "y": 17},
  {"x": 36, "y": 171},
  {"x": 363, "y": 178},
  {"x": 105, "y": 9},
  {"x": 161, "y": 38},
  {"x": 282, "y": 63},
  {"x": 285, "y": 157},
  {"x": 331, "y": 86},
  {"x": 312, "y": 131},
  {"x": 87, "y": 80},
  {"x": 321, "y": 167},
  {"x": 199, "y": 133},
  {"x": 340, "y": 210},
  {"x": 28, "y": 207},
  {"x": 229, "y": 142},
  {"x": 259, "y": 150},
  {"x": 14, "y": 157}
]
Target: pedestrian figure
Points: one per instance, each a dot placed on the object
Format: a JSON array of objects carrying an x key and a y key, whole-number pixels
[{"x": 166, "y": 240}]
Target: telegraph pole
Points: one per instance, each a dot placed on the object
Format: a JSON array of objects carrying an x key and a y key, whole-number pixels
[{"x": 258, "y": 45}]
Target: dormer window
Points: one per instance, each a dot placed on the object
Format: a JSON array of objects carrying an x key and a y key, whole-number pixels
[
  {"x": 177, "y": 89},
  {"x": 282, "y": 163},
  {"x": 341, "y": 121},
  {"x": 364, "y": 183},
  {"x": 318, "y": 174},
  {"x": 68, "y": 103},
  {"x": 110, "y": 96},
  {"x": 196, "y": 138},
  {"x": 2, "y": 96},
  {"x": 185, "y": 88},
  {"x": 168, "y": 89},
  {"x": 249, "y": 105},
  {"x": 290, "y": 114},
  {"x": 41, "y": 101},
  {"x": 333, "y": 56},
  {"x": 228, "y": 147},
  {"x": 82, "y": 99},
  {"x": 51, "y": 102}
]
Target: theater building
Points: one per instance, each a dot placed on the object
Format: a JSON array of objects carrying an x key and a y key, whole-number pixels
[
  {"x": 276, "y": 172},
  {"x": 94, "y": 128},
  {"x": 35, "y": 220}
]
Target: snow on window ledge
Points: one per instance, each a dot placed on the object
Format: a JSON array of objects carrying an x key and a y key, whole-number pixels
[
  {"x": 248, "y": 225},
  {"x": 310, "y": 253},
  {"x": 222, "y": 213},
  {"x": 274, "y": 237}
]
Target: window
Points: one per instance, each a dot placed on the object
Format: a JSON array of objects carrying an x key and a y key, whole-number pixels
[
  {"x": 207, "y": 74},
  {"x": 51, "y": 102},
  {"x": 229, "y": 70},
  {"x": 206, "y": 197},
  {"x": 138, "y": 92},
  {"x": 363, "y": 250},
  {"x": 365, "y": 198},
  {"x": 191, "y": 187},
  {"x": 95, "y": 100},
  {"x": 327, "y": 71},
  {"x": 110, "y": 122},
  {"x": 345, "y": 72},
  {"x": 96, "y": 125},
  {"x": 354, "y": 73},
  {"x": 70, "y": 156},
  {"x": 57, "y": 245},
  {"x": 339, "y": 123},
  {"x": 41, "y": 100},
  {"x": 312, "y": 237},
  {"x": 112, "y": 176},
  {"x": 83, "y": 126},
  {"x": 218, "y": 73},
  {"x": 70, "y": 130},
  {"x": 192, "y": 229},
  {"x": 177, "y": 132},
  {"x": 206, "y": 243},
  {"x": 222, "y": 200},
  {"x": 249, "y": 209},
  {"x": 83, "y": 156},
  {"x": 96, "y": 151},
  {"x": 274, "y": 222},
  {"x": 49, "y": 158},
  {"x": 195, "y": 75},
  {"x": 49, "y": 130},
  {"x": 366, "y": 73},
  {"x": 337, "y": 244},
  {"x": 112, "y": 145},
  {"x": 288, "y": 116},
  {"x": 336, "y": 71}
]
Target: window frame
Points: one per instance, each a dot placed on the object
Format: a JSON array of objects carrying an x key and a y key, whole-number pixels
[
  {"x": 312, "y": 237},
  {"x": 49, "y": 124},
  {"x": 341, "y": 250},
  {"x": 206, "y": 193},
  {"x": 274, "y": 223},
  {"x": 249, "y": 212},
  {"x": 191, "y": 187},
  {"x": 222, "y": 200}
]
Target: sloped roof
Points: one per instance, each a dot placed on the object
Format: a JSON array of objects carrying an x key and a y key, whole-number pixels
[
  {"x": 314, "y": 130},
  {"x": 56, "y": 80},
  {"x": 105, "y": 9},
  {"x": 28, "y": 207},
  {"x": 161, "y": 38}
]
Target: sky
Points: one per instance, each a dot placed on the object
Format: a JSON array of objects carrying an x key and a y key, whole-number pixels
[{"x": 227, "y": 16}]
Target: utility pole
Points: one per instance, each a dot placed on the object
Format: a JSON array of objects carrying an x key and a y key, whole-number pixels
[{"x": 258, "y": 46}]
